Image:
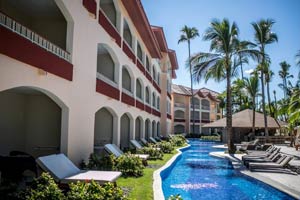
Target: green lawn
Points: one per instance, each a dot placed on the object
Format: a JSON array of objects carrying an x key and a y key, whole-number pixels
[{"x": 141, "y": 188}]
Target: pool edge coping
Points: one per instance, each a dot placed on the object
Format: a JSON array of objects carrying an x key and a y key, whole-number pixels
[
  {"x": 157, "y": 182},
  {"x": 268, "y": 181}
]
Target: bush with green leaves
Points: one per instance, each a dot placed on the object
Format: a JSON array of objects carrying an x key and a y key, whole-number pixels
[
  {"x": 153, "y": 152},
  {"x": 211, "y": 138},
  {"x": 44, "y": 188},
  {"x": 166, "y": 147},
  {"x": 129, "y": 165},
  {"x": 92, "y": 190},
  {"x": 96, "y": 162},
  {"x": 176, "y": 197},
  {"x": 178, "y": 140}
]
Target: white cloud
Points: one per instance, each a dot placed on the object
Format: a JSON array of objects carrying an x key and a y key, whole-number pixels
[{"x": 249, "y": 71}]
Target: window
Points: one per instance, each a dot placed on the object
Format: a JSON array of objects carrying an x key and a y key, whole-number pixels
[
  {"x": 153, "y": 100},
  {"x": 147, "y": 95},
  {"x": 153, "y": 73},
  {"x": 126, "y": 80},
  {"x": 105, "y": 63},
  {"x": 139, "y": 91},
  {"x": 147, "y": 64},
  {"x": 109, "y": 9},
  {"x": 139, "y": 52},
  {"x": 158, "y": 103},
  {"x": 127, "y": 34}
]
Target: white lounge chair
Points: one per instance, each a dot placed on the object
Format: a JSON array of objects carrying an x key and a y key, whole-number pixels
[
  {"x": 152, "y": 140},
  {"x": 64, "y": 171},
  {"x": 136, "y": 144},
  {"x": 116, "y": 151}
]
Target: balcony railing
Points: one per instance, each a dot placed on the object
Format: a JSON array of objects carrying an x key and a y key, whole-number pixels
[
  {"x": 23, "y": 31},
  {"x": 179, "y": 105}
]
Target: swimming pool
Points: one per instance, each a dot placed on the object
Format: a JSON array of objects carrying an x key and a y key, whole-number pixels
[{"x": 196, "y": 175}]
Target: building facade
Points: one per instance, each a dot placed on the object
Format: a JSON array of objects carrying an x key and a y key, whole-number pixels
[
  {"x": 77, "y": 74},
  {"x": 207, "y": 109}
]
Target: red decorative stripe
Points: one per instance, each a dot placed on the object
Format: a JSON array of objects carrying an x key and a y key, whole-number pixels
[
  {"x": 156, "y": 86},
  {"x": 140, "y": 66},
  {"x": 148, "y": 76},
  {"x": 109, "y": 28},
  {"x": 139, "y": 105},
  {"x": 169, "y": 95},
  {"x": 108, "y": 90},
  {"x": 196, "y": 120},
  {"x": 155, "y": 112},
  {"x": 179, "y": 120},
  {"x": 19, "y": 48},
  {"x": 169, "y": 116},
  {"x": 205, "y": 121},
  {"x": 90, "y": 5},
  {"x": 128, "y": 51},
  {"x": 127, "y": 99},
  {"x": 148, "y": 109}
]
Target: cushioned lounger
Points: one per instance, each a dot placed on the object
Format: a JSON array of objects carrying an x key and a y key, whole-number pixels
[
  {"x": 136, "y": 144},
  {"x": 116, "y": 151},
  {"x": 64, "y": 171},
  {"x": 281, "y": 164},
  {"x": 152, "y": 140}
]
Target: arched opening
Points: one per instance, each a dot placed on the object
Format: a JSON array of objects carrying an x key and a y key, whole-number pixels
[
  {"x": 147, "y": 129},
  {"x": 158, "y": 129},
  {"x": 158, "y": 103},
  {"x": 139, "y": 90},
  {"x": 127, "y": 34},
  {"x": 125, "y": 131},
  {"x": 158, "y": 78},
  {"x": 43, "y": 17},
  {"x": 138, "y": 128},
  {"x": 110, "y": 10},
  {"x": 178, "y": 129},
  {"x": 105, "y": 127},
  {"x": 196, "y": 103},
  {"x": 139, "y": 52},
  {"x": 179, "y": 114},
  {"x": 126, "y": 80},
  {"x": 154, "y": 129},
  {"x": 154, "y": 73},
  {"x": 147, "y": 95},
  {"x": 205, "y": 104},
  {"x": 148, "y": 64},
  {"x": 153, "y": 100},
  {"x": 33, "y": 121},
  {"x": 107, "y": 66}
]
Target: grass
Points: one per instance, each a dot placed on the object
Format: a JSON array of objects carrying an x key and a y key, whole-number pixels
[{"x": 141, "y": 188}]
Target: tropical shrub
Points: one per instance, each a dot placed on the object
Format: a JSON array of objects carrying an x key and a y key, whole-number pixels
[
  {"x": 44, "y": 188},
  {"x": 96, "y": 162},
  {"x": 129, "y": 165},
  {"x": 92, "y": 190},
  {"x": 176, "y": 197},
  {"x": 178, "y": 140},
  {"x": 153, "y": 152},
  {"x": 166, "y": 147},
  {"x": 211, "y": 138},
  {"x": 193, "y": 135}
]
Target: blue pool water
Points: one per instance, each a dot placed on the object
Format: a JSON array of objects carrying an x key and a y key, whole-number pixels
[{"x": 196, "y": 175}]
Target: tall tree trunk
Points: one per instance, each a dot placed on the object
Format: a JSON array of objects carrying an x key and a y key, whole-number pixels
[
  {"x": 253, "y": 115},
  {"x": 275, "y": 100},
  {"x": 263, "y": 99},
  {"x": 192, "y": 91},
  {"x": 231, "y": 148},
  {"x": 269, "y": 99}
]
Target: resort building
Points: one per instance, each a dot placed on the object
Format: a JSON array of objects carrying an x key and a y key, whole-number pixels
[
  {"x": 78, "y": 74},
  {"x": 207, "y": 109}
]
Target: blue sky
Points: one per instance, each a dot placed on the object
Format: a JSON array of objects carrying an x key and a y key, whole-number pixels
[{"x": 172, "y": 15}]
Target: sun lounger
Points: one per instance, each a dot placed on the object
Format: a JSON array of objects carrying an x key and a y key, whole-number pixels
[
  {"x": 116, "y": 151},
  {"x": 280, "y": 164},
  {"x": 272, "y": 158},
  {"x": 261, "y": 156},
  {"x": 158, "y": 139},
  {"x": 268, "y": 151},
  {"x": 136, "y": 144},
  {"x": 144, "y": 142},
  {"x": 152, "y": 140},
  {"x": 248, "y": 145},
  {"x": 64, "y": 171}
]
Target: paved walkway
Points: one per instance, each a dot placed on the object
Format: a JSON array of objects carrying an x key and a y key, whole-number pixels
[{"x": 288, "y": 183}]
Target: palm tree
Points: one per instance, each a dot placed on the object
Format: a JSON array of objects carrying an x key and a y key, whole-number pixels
[
  {"x": 294, "y": 107},
  {"x": 263, "y": 36},
  {"x": 222, "y": 103},
  {"x": 298, "y": 58},
  {"x": 187, "y": 34},
  {"x": 252, "y": 87},
  {"x": 220, "y": 63},
  {"x": 241, "y": 45},
  {"x": 275, "y": 105},
  {"x": 285, "y": 75},
  {"x": 268, "y": 76}
]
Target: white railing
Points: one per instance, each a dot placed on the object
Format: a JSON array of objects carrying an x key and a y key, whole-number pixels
[{"x": 23, "y": 31}]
